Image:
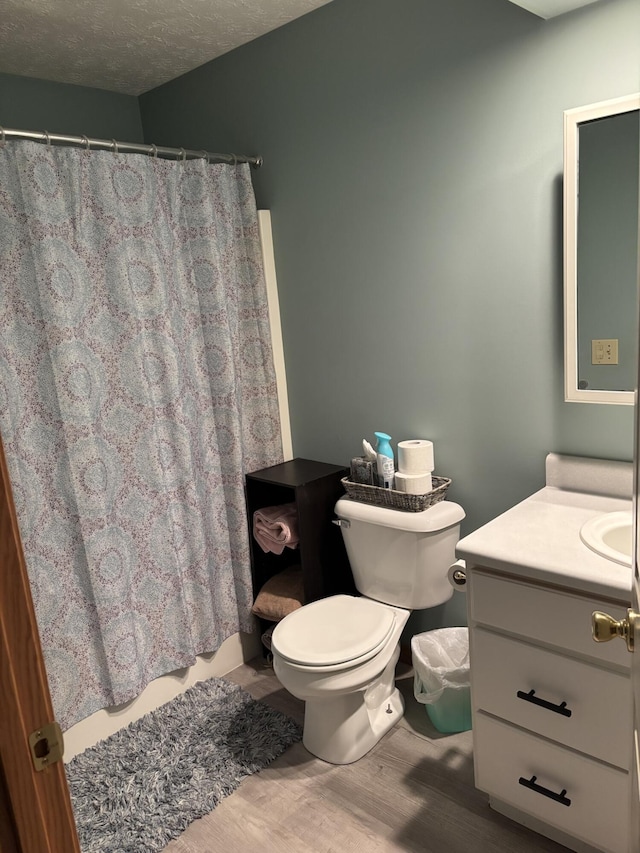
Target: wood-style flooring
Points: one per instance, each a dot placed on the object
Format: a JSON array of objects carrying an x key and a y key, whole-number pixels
[{"x": 413, "y": 792}]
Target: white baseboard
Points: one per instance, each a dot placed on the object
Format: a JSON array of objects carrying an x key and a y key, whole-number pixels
[{"x": 235, "y": 651}]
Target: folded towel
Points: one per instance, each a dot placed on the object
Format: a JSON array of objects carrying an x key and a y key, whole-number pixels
[
  {"x": 275, "y": 527},
  {"x": 280, "y": 595}
]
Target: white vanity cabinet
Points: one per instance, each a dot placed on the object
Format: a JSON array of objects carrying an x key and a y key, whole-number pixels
[{"x": 552, "y": 723}]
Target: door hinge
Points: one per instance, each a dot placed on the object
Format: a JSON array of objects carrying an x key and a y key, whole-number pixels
[{"x": 47, "y": 745}]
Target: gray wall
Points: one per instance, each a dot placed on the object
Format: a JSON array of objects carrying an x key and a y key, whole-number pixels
[
  {"x": 413, "y": 170},
  {"x": 413, "y": 159},
  {"x": 30, "y": 104}
]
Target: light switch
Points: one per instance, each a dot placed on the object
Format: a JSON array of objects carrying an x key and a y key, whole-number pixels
[{"x": 604, "y": 351}]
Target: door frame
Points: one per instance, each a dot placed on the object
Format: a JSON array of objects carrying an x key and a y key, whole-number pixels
[{"x": 38, "y": 801}]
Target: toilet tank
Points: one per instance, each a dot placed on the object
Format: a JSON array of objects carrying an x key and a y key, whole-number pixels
[{"x": 401, "y": 558}]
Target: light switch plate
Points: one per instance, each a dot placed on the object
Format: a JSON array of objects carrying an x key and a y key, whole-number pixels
[{"x": 604, "y": 351}]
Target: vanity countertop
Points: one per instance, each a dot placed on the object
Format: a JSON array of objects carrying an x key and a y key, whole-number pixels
[{"x": 539, "y": 539}]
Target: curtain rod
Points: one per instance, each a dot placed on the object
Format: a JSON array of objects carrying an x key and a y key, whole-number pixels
[{"x": 127, "y": 147}]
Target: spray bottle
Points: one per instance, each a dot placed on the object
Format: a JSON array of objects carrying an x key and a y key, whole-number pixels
[{"x": 384, "y": 457}]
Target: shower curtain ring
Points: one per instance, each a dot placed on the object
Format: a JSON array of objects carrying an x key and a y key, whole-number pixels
[
  {"x": 45, "y": 133},
  {"x": 115, "y": 146},
  {"x": 183, "y": 155},
  {"x": 87, "y": 144},
  {"x": 3, "y": 140},
  {"x": 235, "y": 159},
  {"x": 154, "y": 152},
  {"x": 205, "y": 154}
]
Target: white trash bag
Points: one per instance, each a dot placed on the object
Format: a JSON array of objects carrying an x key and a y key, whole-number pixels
[{"x": 440, "y": 662}]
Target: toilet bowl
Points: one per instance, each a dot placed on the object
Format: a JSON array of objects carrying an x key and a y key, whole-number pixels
[{"x": 339, "y": 654}]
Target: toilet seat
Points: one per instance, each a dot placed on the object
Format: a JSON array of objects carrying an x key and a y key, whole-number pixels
[{"x": 335, "y": 632}]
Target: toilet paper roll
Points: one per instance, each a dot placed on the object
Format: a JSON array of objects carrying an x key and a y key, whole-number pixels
[
  {"x": 413, "y": 484},
  {"x": 415, "y": 456},
  {"x": 457, "y": 576}
]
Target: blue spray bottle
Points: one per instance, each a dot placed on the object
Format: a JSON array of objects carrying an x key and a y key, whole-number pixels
[{"x": 384, "y": 457}]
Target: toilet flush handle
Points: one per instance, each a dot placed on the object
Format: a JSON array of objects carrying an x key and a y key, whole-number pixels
[{"x": 342, "y": 522}]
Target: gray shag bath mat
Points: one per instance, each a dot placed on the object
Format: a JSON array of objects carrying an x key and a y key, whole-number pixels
[{"x": 141, "y": 787}]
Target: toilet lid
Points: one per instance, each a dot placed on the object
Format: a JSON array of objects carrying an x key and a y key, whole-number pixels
[{"x": 333, "y": 630}]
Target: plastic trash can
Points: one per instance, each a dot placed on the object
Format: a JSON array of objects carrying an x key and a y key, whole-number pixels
[{"x": 441, "y": 677}]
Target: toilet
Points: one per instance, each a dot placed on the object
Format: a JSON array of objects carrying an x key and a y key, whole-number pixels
[{"x": 339, "y": 654}]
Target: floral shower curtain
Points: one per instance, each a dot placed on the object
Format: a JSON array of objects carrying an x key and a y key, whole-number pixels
[{"x": 136, "y": 389}]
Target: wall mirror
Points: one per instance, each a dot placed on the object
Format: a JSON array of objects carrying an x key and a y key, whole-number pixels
[{"x": 601, "y": 182}]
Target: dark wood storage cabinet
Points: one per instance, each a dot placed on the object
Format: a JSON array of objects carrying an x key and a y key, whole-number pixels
[{"x": 314, "y": 487}]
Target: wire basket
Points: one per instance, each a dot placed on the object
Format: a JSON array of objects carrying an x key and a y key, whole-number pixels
[{"x": 397, "y": 500}]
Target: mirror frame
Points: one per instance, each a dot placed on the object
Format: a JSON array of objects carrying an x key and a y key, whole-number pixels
[{"x": 572, "y": 119}]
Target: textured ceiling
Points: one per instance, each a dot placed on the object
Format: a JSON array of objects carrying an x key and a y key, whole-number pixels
[{"x": 130, "y": 46}]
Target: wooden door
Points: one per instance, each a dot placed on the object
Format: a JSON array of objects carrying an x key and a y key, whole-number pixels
[
  {"x": 37, "y": 802},
  {"x": 635, "y": 678},
  {"x": 635, "y": 604},
  {"x": 635, "y": 658}
]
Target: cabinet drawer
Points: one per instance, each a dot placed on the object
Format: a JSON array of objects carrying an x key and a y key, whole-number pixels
[
  {"x": 551, "y": 616},
  {"x": 596, "y": 796},
  {"x": 596, "y": 718}
]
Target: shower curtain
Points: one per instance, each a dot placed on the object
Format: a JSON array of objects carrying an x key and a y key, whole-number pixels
[{"x": 136, "y": 389}]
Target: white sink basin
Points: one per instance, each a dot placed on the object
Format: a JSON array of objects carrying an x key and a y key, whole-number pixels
[{"x": 610, "y": 535}]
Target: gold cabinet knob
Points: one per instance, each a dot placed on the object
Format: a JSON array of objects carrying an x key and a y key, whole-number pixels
[{"x": 605, "y": 627}]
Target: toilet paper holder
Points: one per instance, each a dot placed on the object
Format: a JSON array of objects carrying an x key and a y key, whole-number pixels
[
  {"x": 459, "y": 577},
  {"x": 458, "y": 574}
]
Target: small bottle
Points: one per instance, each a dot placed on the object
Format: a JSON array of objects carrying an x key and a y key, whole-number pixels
[{"x": 384, "y": 458}]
